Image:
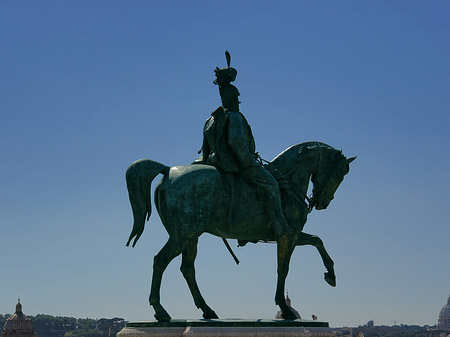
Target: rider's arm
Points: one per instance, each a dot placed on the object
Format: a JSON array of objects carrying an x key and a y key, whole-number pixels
[
  {"x": 238, "y": 140},
  {"x": 205, "y": 150}
]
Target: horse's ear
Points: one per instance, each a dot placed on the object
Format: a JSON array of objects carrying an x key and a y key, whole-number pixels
[{"x": 349, "y": 160}]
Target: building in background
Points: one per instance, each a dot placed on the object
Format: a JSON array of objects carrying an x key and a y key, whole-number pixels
[
  {"x": 18, "y": 324},
  {"x": 444, "y": 317}
]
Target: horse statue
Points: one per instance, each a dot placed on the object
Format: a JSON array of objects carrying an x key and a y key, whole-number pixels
[{"x": 196, "y": 199}]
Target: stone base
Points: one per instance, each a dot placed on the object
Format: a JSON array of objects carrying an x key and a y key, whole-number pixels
[{"x": 225, "y": 328}]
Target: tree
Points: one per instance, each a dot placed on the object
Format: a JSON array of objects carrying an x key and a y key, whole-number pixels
[{"x": 83, "y": 333}]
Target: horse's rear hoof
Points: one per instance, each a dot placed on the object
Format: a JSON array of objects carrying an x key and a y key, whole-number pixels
[
  {"x": 163, "y": 317},
  {"x": 210, "y": 315},
  {"x": 289, "y": 316}
]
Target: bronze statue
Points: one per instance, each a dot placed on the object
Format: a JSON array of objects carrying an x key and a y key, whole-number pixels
[
  {"x": 228, "y": 144},
  {"x": 228, "y": 193},
  {"x": 196, "y": 199}
]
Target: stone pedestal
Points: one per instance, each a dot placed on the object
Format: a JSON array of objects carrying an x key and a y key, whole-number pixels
[{"x": 226, "y": 328}]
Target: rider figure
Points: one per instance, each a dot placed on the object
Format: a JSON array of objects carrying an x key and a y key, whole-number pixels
[{"x": 228, "y": 144}]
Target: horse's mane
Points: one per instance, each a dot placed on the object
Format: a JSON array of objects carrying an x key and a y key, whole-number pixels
[{"x": 283, "y": 162}]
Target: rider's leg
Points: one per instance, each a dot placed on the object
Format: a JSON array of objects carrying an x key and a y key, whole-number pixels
[{"x": 270, "y": 193}]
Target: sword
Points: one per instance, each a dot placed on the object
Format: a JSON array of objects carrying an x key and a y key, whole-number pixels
[{"x": 230, "y": 250}]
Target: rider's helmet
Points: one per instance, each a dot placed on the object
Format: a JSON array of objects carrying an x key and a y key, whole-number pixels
[{"x": 225, "y": 75}]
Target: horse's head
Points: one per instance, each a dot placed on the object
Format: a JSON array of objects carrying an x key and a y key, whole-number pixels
[
  {"x": 323, "y": 164},
  {"x": 331, "y": 168}
]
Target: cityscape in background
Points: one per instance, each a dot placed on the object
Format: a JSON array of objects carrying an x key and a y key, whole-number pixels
[{"x": 18, "y": 324}]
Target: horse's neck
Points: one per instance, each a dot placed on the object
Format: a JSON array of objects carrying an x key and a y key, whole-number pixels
[
  {"x": 297, "y": 165},
  {"x": 303, "y": 171},
  {"x": 296, "y": 208},
  {"x": 300, "y": 180}
]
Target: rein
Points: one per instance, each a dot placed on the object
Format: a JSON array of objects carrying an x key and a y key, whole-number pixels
[{"x": 284, "y": 183}]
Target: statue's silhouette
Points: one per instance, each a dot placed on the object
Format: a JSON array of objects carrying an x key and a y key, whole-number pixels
[{"x": 229, "y": 193}]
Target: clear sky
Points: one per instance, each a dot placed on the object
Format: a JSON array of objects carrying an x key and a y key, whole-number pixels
[{"x": 87, "y": 87}]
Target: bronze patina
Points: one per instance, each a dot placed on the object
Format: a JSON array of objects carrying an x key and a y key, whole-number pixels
[{"x": 228, "y": 193}]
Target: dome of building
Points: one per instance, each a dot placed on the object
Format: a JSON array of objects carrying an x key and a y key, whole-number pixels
[
  {"x": 444, "y": 317},
  {"x": 18, "y": 324},
  {"x": 288, "y": 302}
]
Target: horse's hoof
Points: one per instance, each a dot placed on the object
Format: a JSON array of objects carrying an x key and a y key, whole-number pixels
[
  {"x": 210, "y": 315},
  {"x": 288, "y": 316},
  {"x": 162, "y": 316},
  {"x": 330, "y": 278}
]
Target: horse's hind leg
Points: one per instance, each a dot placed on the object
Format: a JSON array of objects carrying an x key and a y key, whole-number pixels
[
  {"x": 285, "y": 248},
  {"x": 171, "y": 249},
  {"x": 308, "y": 239},
  {"x": 188, "y": 270}
]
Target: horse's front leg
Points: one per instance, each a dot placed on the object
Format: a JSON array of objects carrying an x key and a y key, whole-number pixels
[
  {"x": 308, "y": 239},
  {"x": 171, "y": 249},
  {"x": 285, "y": 247},
  {"x": 188, "y": 270}
]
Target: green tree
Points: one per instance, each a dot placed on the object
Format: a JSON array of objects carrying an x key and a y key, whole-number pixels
[
  {"x": 3, "y": 319},
  {"x": 83, "y": 333}
]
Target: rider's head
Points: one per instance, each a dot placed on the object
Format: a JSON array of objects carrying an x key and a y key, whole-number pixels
[{"x": 224, "y": 75}]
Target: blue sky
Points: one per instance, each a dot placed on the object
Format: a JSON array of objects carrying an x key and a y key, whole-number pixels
[{"x": 87, "y": 87}]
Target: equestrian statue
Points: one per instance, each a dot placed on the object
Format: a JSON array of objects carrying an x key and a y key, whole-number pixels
[{"x": 230, "y": 192}]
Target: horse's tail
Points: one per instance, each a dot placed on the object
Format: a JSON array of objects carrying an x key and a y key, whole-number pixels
[{"x": 139, "y": 178}]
